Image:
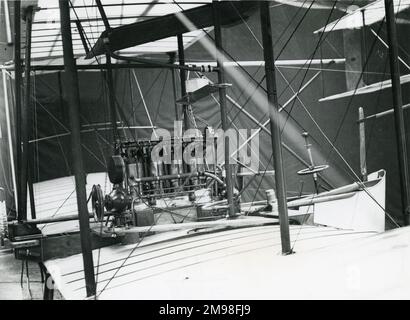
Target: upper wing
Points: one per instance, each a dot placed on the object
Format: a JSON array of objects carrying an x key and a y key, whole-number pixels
[
  {"x": 374, "y": 87},
  {"x": 154, "y": 29},
  {"x": 343, "y": 5},
  {"x": 46, "y": 36},
  {"x": 366, "y": 15}
]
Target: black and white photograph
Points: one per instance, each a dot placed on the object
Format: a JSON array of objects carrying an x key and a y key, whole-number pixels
[{"x": 204, "y": 154}]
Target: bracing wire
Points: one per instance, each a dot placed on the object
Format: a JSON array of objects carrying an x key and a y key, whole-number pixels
[
  {"x": 118, "y": 268},
  {"x": 311, "y": 117},
  {"x": 125, "y": 119}
]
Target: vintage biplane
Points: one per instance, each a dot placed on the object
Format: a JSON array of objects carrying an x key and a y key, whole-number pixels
[{"x": 145, "y": 229}]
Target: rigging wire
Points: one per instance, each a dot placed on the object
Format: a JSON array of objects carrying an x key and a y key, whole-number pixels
[
  {"x": 141, "y": 239},
  {"x": 161, "y": 96},
  {"x": 119, "y": 108},
  {"x": 105, "y": 113},
  {"x": 154, "y": 82},
  {"x": 118, "y": 268},
  {"x": 259, "y": 185},
  {"x": 359, "y": 80},
  {"x": 318, "y": 45},
  {"x": 144, "y": 103},
  {"x": 310, "y": 63},
  {"x": 332, "y": 144},
  {"x": 128, "y": 126},
  {"x": 98, "y": 62},
  {"x": 233, "y": 124},
  {"x": 243, "y": 67}
]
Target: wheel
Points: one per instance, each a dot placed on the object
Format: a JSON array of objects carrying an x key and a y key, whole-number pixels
[
  {"x": 97, "y": 203},
  {"x": 313, "y": 170}
]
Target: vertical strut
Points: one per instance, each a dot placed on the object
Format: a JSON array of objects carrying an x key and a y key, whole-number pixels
[
  {"x": 222, "y": 102},
  {"x": 26, "y": 119},
  {"x": 110, "y": 81},
  {"x": 17, "y": 82},
  {"x": 362, "y": 137},
  {"x": 9, "y": 136},
  {"x": 275, "y": 126},
  {"x": 111, "y": 98},
  {"x": 398, "y": 110},
  {"x": 174, "y": 87},
  {"x": 182, "y": 75},
  {"x": 74, "y": 116},
  {"x": 7, "y": 22}
]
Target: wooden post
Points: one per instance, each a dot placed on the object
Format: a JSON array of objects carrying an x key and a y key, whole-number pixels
[
  {"x": 398, "y": 110},
  {"x": 174, "y": 87},
  {"x": 6, "y": 54},
  {"x": 9, "y": 136},
  {"x": 110, "y": 81},
  {"x": 26, "y": 119},
  {"x": 275, "y": 126},
  {"x": 74, "y": 116},
  {"x": 182, "y": 75},
  {"x": 17, "y": 92},
  {"x": 222, "y": 103},
  {"x": 7, "y": 22},
  {"x": 111, "y": 98},
  {"x": 362, "y": 137}
]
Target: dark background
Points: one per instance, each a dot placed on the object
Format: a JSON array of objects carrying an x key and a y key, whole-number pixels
[{"x": 52, "y": 158}]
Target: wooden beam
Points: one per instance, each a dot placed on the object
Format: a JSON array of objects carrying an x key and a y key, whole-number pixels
[
  {"x": 398, "y": 110},
  {"x": 169, "y": 25},
  {"x": 74, "y": 116},
  {"x": 362, "y": 137},
  {"x": 61, "y": 246},
  {"x": 275, "y": 129},
  {"x": 26, "y": 120},
  {"x": 217, "y": 16},
  {"x": 18, "y": 80}
]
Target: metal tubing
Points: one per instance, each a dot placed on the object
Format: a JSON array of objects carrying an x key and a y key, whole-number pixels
[
  {"x": 311, "y": 201},
  {"x": 262, "y": 126},
  {"x": 82, "y": 36},
  {"x": 398, "y": 110},
  {"x": 275, "y": 126},
  {"x": 111, "y": 97},
  {"x": 71, "y": 217},
  {"x": 128, "y": 65},
  {"x": 174, "y": 87},
  {"x": 381, "y": 114},
  {"x": 74, "y": 116}
]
